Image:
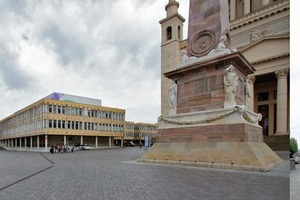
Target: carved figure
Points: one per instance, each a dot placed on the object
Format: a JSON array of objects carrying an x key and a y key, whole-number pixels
[
  {"x": 173, "y": 96},
  {"x": 230, "y": 84},
  {"x": 223, "y": 43},
  {"x": 247, "y": 93},
  {"x": 222, "y": 47},
  {"x": 185, "y": 58}
]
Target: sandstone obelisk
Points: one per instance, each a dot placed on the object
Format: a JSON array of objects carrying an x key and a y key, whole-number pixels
[{"x": 208, "y": 21}]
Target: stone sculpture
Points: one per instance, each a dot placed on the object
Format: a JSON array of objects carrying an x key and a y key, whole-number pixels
[
  {"x": 230, "y": 84},
  {"x": 173, "y": 98}
]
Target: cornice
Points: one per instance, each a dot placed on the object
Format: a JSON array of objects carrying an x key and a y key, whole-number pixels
[
  {"x": 260, "y": 14},
  {"x": 234, "y": 58},
  {"x": 285, "y": 55},
  {"x": 268, "y": 37},
  {"x": 172, "y": 16}
]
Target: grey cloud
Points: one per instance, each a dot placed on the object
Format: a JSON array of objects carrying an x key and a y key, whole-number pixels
[
  {"x": 67, "y": 47},
  {"x": 12, "y": 75}
]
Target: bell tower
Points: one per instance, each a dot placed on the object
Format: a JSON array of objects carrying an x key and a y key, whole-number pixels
[{"x": 171, "y": 36}]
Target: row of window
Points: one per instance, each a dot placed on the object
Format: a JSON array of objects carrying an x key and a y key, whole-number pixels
[
  {"x": 78, "y": 125},
  {"x": 147, "y": 128},
  {"x": 85, "y": 112},
  {"x": 254, "y": 6},
  {"x": 131, "y": 134},
  {"x": 33, "y": 125}
]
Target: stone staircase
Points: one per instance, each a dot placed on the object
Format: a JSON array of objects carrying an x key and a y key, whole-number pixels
[{"x": 278, "y": 142}]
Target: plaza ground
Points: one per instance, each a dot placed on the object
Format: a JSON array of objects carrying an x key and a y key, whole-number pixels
[{"x": 115, "y": 174}]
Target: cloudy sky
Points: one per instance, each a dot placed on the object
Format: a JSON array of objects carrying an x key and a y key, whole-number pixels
[{"x": 102, "y": 49}]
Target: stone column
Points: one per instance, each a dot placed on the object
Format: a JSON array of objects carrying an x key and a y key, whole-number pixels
[
  {"x": 232, "y": 9},
  {"x": 265, "y": 2},
  {"x": 271, "y": 119},
  {"x": 109, "y": 142},
  {"x": 96, "y": 141},
  {"x": 65, "y": 139},
  {"x": 251, "y": 97},
  {"x": 30, "y": 142},
  {"x": 25, "y": 142},
  {"x": 282, "y": 96},
  {"x": 16, "y": 142},
  {"x": 20, "y": 140},
  {"x": 81, "y": 139},
  {"x": 38, "y": 142},
  {"x": 46, "y": 142},
  {"x": 122, "y": 141},
  {"x": 246, "y": 7}
]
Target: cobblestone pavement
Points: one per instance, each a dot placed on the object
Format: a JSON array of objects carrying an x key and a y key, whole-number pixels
[{"x": 114, "y": 174}]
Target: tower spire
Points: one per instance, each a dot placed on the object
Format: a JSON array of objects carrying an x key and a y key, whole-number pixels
[{"x": 172, "y": 7}]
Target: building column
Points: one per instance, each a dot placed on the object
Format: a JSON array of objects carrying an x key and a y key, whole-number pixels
[
  {"x": 232, "y": 9},
  {"x": 30, "y": 142},
  {"x": 96, "y": 141},
  {"x": 65, "y": 139},
  {"x": 271, "y": 119},
  {"x": 251, "y": 96},
  {"x": 46, "y": 142},
  {"x": 16, "y": 142},
  {"x": 11, "y": 143},
  {"x": 122, "y": 141},
  {"x": 109, "y": 142},
  {"x": 247, "y": 7},
  {"x": 265, "y": 2},
  {"x": 25, "y": 142},
  {"x": 282, "y": 96},
  {"x": 38, "y": 142},
  {"x": 20, "y": 142},
  {"x": 81, "y": 140}
]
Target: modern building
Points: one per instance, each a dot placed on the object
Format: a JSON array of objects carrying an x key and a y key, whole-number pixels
[
  {"x": 259, "y": 29},
  {"x": 140, "y": 133},
  {"x": 63, "y": 119}
]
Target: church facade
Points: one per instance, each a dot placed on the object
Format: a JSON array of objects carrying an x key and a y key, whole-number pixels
[{"x": 260, "y": 31}]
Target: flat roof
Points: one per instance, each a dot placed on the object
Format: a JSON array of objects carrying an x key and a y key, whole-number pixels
[{"x": 74, "y": 98}]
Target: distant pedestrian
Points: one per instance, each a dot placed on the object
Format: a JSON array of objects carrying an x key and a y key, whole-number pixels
[{"x": 51, "y": 149}]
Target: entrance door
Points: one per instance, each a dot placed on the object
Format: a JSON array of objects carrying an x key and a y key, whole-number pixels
[{"x": 264, "y": 123}]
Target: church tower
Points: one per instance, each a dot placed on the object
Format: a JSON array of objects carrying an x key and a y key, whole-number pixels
[{"x": 172, "y": 33}]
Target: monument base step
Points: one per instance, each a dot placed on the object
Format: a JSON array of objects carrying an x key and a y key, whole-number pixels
[{"x": 249, "y": 156}]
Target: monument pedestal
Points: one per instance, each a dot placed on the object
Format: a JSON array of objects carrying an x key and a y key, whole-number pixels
[
  {"x": 250, "y": 156},
  {"x": 206, "y": 130}
]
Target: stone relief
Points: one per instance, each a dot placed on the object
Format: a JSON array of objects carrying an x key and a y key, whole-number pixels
[
  {"x": 257, "y": 34},
  {"x": 251, "y": 118}
]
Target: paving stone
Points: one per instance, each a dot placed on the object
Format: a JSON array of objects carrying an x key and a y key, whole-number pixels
[{"x": 115, "y": 174}]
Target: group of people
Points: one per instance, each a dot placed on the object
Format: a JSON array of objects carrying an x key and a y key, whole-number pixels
[{"x": 61, "y": 149}]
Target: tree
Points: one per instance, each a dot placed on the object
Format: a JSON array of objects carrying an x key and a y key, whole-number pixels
[{"x": 293, "y": 145}]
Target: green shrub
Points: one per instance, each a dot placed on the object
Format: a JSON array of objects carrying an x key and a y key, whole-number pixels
[{"x": 293, "y": 145}]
